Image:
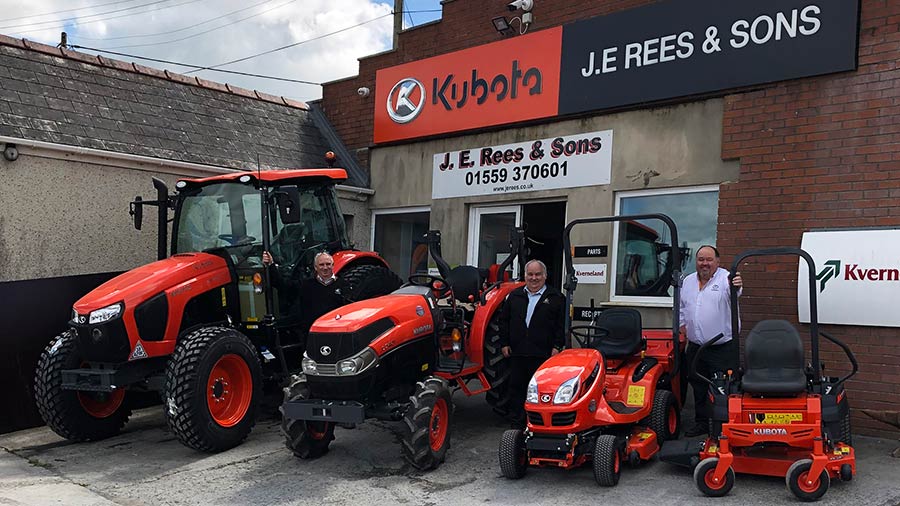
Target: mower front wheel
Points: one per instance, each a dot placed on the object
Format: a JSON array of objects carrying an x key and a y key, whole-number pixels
[
  {"x": 704, "y": 478},
  {"x": 806, "y": 487},
  {"x": 665, "y": 418},
  {"x": 213, "y": 388},
  {"x": 427, "y": 424},
  {"x": 307, "y": 439},
  {"x": 607, "y": 461},
  {"x": 75, "y": 415},
  {"x": 513, "y": 455}
]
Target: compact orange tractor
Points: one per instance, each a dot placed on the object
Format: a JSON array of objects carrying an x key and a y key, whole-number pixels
[
  {"x": 775, "y": 417},
  {"x": 203, "y": 326},
  {"x": 615, "y": 399},
  {"x": 397, "y": 357}
]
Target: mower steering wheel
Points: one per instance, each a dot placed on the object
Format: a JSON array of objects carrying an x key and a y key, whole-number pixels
[
  {"x": 237, "y": 240},
  {"x": 587, "y": 335},
  {"x": 437, "y": 285}
]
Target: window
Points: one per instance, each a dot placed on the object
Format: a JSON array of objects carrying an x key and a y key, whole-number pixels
[
  {"x": 399, "y": 237},
  {"x": 643, "y": 249}
]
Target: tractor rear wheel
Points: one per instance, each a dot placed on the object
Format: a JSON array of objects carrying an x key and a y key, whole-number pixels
[
  {"x": 704, "y": 474},
  {"x": 426, "y": 434},
  {"x": 607, "y": 460},
  {"x": 513, "y": 455},
  {"x": 75, "y": 415},
  {"x": 804, "y": 486},
  {"x": 496, "y": 368},
  {"x": 213, "y": 388},
  {"x": 307, "y": 439},
  {"x": 665, "y": 419},
  {"x": 367, "y": 281}
]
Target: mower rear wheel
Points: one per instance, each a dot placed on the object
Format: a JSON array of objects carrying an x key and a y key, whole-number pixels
[
  {"x": 306, "y": 438},
  {"x": 703, "y": 478},
  {"x": 427, "y": 424},
  {"x": 496, "y": 368},
  {"x": 213, "y": 389},
  {"x": 607, "y": 460},
  {"x": 804, "y": 486},
  {"x": 75, "y": 415},
  {"x": 846, "y": 436},
  {"x": 665, "y": 418},
  {"x": 367, "y": 281},
  {"x": 513, "y": 455}
]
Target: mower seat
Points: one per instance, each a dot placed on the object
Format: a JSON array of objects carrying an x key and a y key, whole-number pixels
[
  {"x": 625, "y": 337},
  {"x": 466, "y": 282},
  {"x": 773, "y": 358}
]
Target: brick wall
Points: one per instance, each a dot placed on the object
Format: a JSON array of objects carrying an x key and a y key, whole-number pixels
[{"x": 820, "y": 153}]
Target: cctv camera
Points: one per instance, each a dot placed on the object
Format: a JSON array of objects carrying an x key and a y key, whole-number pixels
[
  {"x": 525, "y": 5},
  {"x": 11, "y": 153},
  {"x": 363, "y": 92}
]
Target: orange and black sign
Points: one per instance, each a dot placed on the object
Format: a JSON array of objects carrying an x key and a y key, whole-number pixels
[{"x": 487, "y": 85}]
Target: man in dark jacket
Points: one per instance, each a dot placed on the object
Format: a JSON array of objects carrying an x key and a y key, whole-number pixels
[
  {"x": 313, "y": 296},
  {"x": 532, "y": 329}
]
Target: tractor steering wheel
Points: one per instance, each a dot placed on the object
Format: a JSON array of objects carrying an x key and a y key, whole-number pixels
[
  {"x": 237, "y": 240},
  {"x": 587, "y": 335},
  {"x": 437, "y": 285}
]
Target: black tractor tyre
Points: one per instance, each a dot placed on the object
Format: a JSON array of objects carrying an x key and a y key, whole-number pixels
[
  {"x": 496, "y": 368},
  {"x": 426, "y": 430},
  {"x": 76, "y": 416},
  {"x": 846, "y": 436},
  {"x": 665, "y": 417},
  {"x": 797, "y": 478},
  {"x": 307, "y": 439},
  {"x": 513, "y": 454},
  {"x": 607, "y": 460},
  {"x": 368, "y": 281},
  {"x": 213, "y": 389},
  {"x": 703, "y": 476}
]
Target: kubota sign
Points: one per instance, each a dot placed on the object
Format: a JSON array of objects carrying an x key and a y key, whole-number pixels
[
  {"x": 857, "y": 278},
  {"x": 487, "y": 85}
]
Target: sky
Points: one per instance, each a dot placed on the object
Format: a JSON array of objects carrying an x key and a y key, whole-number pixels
[{"x": 328, "y": 36}]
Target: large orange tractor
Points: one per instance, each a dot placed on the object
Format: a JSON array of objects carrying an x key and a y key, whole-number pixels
[{"x": 204, "y": 326}]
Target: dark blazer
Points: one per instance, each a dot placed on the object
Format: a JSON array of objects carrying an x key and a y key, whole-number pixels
[{"x": 547, "y": 329}]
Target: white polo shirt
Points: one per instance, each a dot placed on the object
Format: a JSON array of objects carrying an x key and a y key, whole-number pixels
[{"x": 707, "y": 313}]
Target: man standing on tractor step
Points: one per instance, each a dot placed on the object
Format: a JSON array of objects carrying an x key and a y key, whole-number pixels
[
  {"x": 532, "y": 329},
  {"x": 316, "y": 295},
  {"x": 705, "y": 312}
]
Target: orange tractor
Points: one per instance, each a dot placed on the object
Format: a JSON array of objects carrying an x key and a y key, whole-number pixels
[{"x": 204, "y": 326}]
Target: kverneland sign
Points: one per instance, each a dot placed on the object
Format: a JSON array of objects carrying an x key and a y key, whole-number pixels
[{"x": 857, "y": 278}]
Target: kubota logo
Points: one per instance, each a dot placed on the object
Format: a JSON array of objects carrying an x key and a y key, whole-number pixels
[
  {"x": 853, "y": 272},
  {"x": 406, "y": 100},
  {"x": 770, "y": 432},
  {"x": 831, "y": 270}
]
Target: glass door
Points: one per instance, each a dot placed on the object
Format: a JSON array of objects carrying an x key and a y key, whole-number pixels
[{"x": 489, "y": 229}]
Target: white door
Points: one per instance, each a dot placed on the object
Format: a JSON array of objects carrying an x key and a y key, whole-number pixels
[{"x": 489, "y": 233}]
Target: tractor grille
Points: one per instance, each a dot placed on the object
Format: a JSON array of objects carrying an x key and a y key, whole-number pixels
[
  {"x": 103, "y": 342},
  {"x": 562, "y": 419},
  {"x": 341, "y": 345},
  {"x": 535, "y": 418}
]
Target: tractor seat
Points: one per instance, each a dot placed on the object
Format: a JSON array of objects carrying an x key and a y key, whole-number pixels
[
  {"x": 773, "y": 358},
  {"x": 465, "y": 281},
  {"x": 625, "y": 337}
]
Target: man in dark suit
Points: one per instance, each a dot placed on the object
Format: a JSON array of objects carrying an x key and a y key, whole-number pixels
[{"x": 532, "y": 329}]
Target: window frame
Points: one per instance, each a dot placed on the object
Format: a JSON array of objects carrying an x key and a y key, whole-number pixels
[
  {"x": 394, "y": 210},
  {"x": 633, "y": 300}
]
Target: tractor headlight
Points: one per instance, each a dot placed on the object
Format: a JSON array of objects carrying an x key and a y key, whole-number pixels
[
  {"x": 357, "y": 364},
  {"x": 105, "y": 314},
  {"x": 566, "y": 392},
  {"x": 531, "y": 395},
  {"x": 74, "y": 315},
  {"x": 309, "y": 366}
]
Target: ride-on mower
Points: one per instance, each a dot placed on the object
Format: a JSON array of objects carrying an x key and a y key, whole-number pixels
[
  {"x": 396, "y": 358},
  {"x": 203, "y": 326},
  {"x": 615, "y": 399},
  {"x": 775, "y": 417}
]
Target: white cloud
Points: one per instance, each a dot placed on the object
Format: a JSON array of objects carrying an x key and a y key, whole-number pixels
[{"x": 332, "y": 57}]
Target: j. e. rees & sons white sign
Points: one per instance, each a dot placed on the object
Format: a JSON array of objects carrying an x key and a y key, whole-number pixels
[{"x": 545, "y": 164}]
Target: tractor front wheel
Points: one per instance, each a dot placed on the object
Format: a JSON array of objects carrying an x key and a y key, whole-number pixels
[
  {"x": 213, "y": 388},
  {"x": 607, "y": 461},
  {"x": 513, "y": 454},
  {"x": 804, "y": 486},
  {"x": 426, "y": 434},
  {"x": 307, "y": 439},
  {"x": 665, "y": 419},
  {"x": 75, "y": 415}
]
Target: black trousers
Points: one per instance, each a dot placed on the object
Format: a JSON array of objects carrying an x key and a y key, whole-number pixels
[
  {"x": 714, "y": 358},
  {"x": 521, "y": 371}
]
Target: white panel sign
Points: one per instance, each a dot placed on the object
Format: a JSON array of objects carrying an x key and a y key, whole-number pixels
[
  {"x": 590, "y": 274},
  {"x": 546, "y": 164},
  {"x": 858, "y": 278}
]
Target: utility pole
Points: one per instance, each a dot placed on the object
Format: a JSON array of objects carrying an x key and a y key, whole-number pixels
[{"x": 398, "y": 21}]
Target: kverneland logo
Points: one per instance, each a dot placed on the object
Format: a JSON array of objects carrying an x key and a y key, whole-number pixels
[{"x": 855, "y": 272}]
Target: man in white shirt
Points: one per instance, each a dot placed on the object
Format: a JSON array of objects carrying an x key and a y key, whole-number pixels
[{"x": 705, "y": 312}]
